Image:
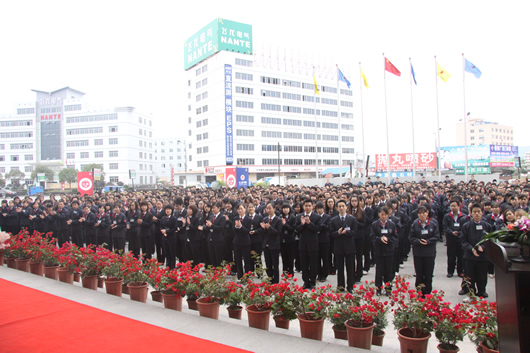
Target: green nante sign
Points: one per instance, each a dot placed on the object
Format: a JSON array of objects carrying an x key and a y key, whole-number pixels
[{"x": 219, "y": 34}]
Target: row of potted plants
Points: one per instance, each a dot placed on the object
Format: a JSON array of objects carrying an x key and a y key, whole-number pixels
[{"x": 360, "y": 316}]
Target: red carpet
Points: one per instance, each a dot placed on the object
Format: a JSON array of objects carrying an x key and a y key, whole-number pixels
[{"x": 34, "y": 321}]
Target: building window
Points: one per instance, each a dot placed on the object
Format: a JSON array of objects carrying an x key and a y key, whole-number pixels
[
  {"x": 243, "y": 104},
  {"x": 205, "y": 136},
  {"x": 113, "y": 165},
  {"x": 114, "y": 179},
  {"x": 113, "y": 141},
  {"x": 270, "y": 161},
  {"x": 20, "y": 146},
  {"x": 28, "y": 169},
  {"x": 244, "y": 147},
  {"x": 98, "y": 154},
  {"x": 245, "y": 161},
  {"x": 245, "y": 118},
  {"x": 241, "y": 132},
  {"x": 272, "y": 134},
  {"x": 347, "y": 138},
  {"x": 91, "y": 118},
  {"x": 292, "y": 135},
  {"x": 84, "y": 154},
  {"x": 243, "y": 76},
  {"x": 70, "y": 156},
  {"x": 78, "y": 143},
  {"x": 28, "y": 157},
  {"x": 2, "y": 158},
  {"x": 244, "y": 90},
  {"x": 84, "y": 131},
  {"x": 113, "y": 153},
  {"x": 243, "y": 62},
  {"x": 273, "y": 107},
  {"x": 98, "y": 142}
]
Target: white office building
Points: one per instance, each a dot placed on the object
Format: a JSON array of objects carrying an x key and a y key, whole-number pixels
[
  {"x": 170, "y": 157},
  {"x": 258, "y": 109},
  {"x": 58, "y": 130},
  {"x": 481, "y": 132}
]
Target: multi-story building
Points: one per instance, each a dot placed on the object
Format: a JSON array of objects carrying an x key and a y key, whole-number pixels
[
  {"x": 170, "y": 157},
  {"x": 58, "y": 131},
  {"x": 259, "y": 109},
  {"x": 480, "y": 132}
]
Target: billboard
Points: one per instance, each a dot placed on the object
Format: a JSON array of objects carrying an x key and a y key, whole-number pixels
[
  {"x": 404, "y": 161},
  {"x": 242, "y": 177},
  {"x": 231, "y": 177},
  {"x": 478, "y": 158},
  {"x": 229, "y": 132},
  {"x": 220, "y": 34},
  {"x": 503, "y": 156}
]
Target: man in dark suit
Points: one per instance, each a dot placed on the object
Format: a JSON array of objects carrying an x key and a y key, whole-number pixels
[
  {"x": 158, "y": 214},
  {"x": 343, "y": 227},
  {"x": 215, "y": 227},
  {"x": 307, "y": 225},
  {"x": 323, "y": 242},
  {"x": 254, "y": 232},
  {"x": 272, "y": 231}
]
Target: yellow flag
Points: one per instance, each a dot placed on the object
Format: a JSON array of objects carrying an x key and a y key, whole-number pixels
[
  {"x": 364, "y": 79},
  {"x": 444, "y": 75},
  {"x": 316, "y": 85}
]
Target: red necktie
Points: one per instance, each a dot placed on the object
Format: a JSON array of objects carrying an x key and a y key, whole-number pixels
[{"x": 213, "y": 218}]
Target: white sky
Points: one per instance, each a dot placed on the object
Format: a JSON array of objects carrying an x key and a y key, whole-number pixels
[{"x": 131, "y": 53}]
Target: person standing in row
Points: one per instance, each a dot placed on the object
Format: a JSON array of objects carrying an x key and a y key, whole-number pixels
[
  {"x": 307, "y": 225},
  {"x": 242, "y": 224},
  {"x": 118, "y": 228},
  {"x": 384, "y": 237},
  {"x": 424, "y": 235},
  {"x": 323, "y": 242},
  {"x": 216, "y": 226},
  {"x": 272, "y": 230},
  {"x": 102, "y": 228},
  {"x": 343, "y": 228},
  {"x": 453, "y": 224},
  {"x": 193, "y": 237},
  {"x": 145, "y": 221},
  {"x": 168, "y": 228},
  {"x": 131, "y": 234}
]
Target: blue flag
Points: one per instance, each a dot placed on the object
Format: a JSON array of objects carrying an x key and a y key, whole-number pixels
[
  {"x": 343, "y": 78},
  {"x": 413, "y": 75},
  {"x": 472, "y": 69}
]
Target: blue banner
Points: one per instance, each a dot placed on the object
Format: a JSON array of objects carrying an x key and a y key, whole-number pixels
[
  {"x": 242, "y": 177},
  {"x": 229, "y": 131}
]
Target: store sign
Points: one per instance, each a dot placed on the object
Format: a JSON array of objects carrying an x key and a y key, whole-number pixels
[
  {"x": 50, "y": 101},
  {"x": 47, "y": 117},
  {"x": 242, "y": 177},
  {"x": 85, "y": 183},
  {"x": 219, "y": 34},
  {"x": 404, "y": 161},
  {"x": 231, "y": 177},
  {"x": 229, "y": 131},
  {"x": 478, "y": 159}
]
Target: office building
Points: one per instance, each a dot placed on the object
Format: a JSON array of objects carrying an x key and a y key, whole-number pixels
[{"x": 481, "y": 132}]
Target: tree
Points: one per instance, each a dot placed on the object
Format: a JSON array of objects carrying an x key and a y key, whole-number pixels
[
  {"x": 89, "y": 167},
  {"x": 39, "y": 168},
  {"x": 68, "y": 175},
  {"x": 15, "y": 175}
]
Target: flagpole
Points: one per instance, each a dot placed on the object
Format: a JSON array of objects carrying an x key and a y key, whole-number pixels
[
  {"x": 412, "y": 118},
  {"x": 340, "y": 132},
  {"x": 316, "y": 136},
  {"x": 386, "y": 120},
  {"x": 362, "y": 120},
  {"x": 438, "y": 123},
  {"x": 465, "y": 116}
]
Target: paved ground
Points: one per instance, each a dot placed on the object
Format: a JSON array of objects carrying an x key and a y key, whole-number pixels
[{"x": 234, "y": 332}]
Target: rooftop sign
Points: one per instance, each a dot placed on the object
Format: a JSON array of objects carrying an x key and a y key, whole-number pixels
[{"x": 219, "y": 34}]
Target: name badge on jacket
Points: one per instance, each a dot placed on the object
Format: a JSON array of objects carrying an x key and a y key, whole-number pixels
[
  {"x": 479, "y": 227},
  {"x": 424, "y": 231},
  {"x": 384, "y": 231},
  {"x": 457, "y": 225}
]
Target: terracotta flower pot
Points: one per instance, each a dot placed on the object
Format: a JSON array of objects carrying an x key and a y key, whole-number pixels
[
  {"x": 156, "y": 296},
  {"x": 65, "y": 275},
  {"x": 311, "y": 328},
  {"x": 455, "y": 349},
  {"x": 37, "y": 268},
  {"x": 124, "y": 288},
  {"x": 235, "y": 313},
  {"x": 113, "y": 286},
  {"x": 485, "y": 349},
  {"x": 22, "y": 264},
  {"x": 192, "y": 304},
  {"x": 340, "y": 334},
  {"x": 360, "y": 337},
  {"x": 77, "y": 277},
  {"x": 210, "y": 309},
  {"x": 377, "y": 340},
  {"x": 90, "y": 282},
  {"x": 138, "y": 292},
  {"x": 2, "y": 258},
  {"x": 101, "y": 282},
  {"x": 172, "y": 301},
  {"x": 413, "y": 345},
  {"x": 280, "y": 322},
  {"x": 258, "y": 318},
  {"x": 51, "y": 272},
  {"x": 11, "y": 262}
]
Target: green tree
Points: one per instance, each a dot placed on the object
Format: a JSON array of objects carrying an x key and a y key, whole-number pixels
[
  {"x": 15, "y": 175},
  {"x": 89, "y": 167},
  {"x": 68, "y": 175},
  {"x": 39, "y": 168}
]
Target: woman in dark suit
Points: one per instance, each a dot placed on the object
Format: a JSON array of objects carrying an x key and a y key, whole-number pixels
[
  {"x": 357, "y": 212},
  {"x": 131, "y": 234},
  {"x": 288, "y": 246},
  {"x": 193, "y": 241},
  {"x": 168, "y": 227}
]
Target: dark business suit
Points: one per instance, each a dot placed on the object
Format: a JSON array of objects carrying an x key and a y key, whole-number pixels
[
  {"x": 271, "y": 246},
  {"x": 242, "y": 246},
  {"x": 256, "y": 244},
  {"x": 169, "y": 240},
  {"x": 308, "y": 247},
  {"x": 344, "y": 249},
  {"x": 216, "y": 238},
  {"x": 323, "y": 247},
  {"x": 145, "y": 233},
  {"x": 193, "y": 239}
]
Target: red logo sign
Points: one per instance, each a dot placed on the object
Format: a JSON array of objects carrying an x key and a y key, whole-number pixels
[
  {"x": 231, "y": 177},
  {"x": 85, "y": 183}
]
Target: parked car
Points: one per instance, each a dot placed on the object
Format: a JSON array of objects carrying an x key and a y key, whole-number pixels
[{"x": 7, "y": 193}]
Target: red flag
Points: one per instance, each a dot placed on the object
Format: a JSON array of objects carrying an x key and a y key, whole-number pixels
[{"x": 391, "y": 68}]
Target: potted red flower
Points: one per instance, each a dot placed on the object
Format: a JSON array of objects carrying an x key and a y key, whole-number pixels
[
  {"x": 283, "y": 304},
  {"x": 312, "y": 308},
  {"x": 483, "y": 328},
  {"x": 211, "y": 291},
  {"x": 69, "y": 258},
  {"x": 135, "y": 276}
]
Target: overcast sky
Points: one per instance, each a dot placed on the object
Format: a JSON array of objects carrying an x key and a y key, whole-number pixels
[{"x": 131, "y": 53}]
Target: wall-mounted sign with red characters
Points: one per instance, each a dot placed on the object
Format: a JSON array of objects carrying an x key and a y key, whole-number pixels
[
  {"x": 404, "y": 161},
  {"x": 45, "y": 117}
]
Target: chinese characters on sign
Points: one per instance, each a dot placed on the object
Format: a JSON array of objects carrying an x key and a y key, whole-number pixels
[
  {"x": 503, "y": 156},
  {"x": 404, "y": 161},
  {"x": 229, "y": 131},
  {"x": 50, "y": 101},
  {"x": 201, "y": 45}
]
